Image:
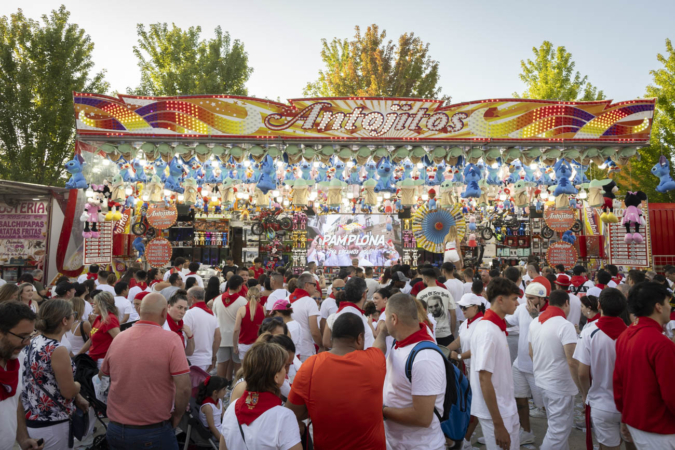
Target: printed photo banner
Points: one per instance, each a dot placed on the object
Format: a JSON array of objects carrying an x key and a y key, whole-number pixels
[{"x": 357, "y": 118}]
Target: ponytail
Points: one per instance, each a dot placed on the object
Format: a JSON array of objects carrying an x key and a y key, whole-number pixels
[
  {"x": 208, "y": 386},
  {"x": 253, "y": 297}
]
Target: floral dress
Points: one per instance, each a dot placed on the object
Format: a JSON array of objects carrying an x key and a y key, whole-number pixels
[{"x": 38, "y": 405}]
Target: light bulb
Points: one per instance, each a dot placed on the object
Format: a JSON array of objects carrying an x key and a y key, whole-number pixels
[
  {"x": 128, "y": 191},
  {"x": 533, "y": 166},
  {"x": 142, "y": 162},
  {"x": 420, "y": 165},
  {"x": 544, "y": 195},
  {"x": 316, "y": 163},
  {"x": 583, "y": 194},
  {"x": 425, "y": 197},
  {"x": 96, "y": 170},
  {"x": 286, "y": 203},
  {"x": 346, "y": 202},
  {"x": 106, "y": 162},
  {"x": 275, "y": 193},
  {"x": 247, "y": 163},
  {"x": 379, "y": 199},
  {"x": 350, "y": 164},
  {"x": 167, "y": 192},
  {"x": 146, "y": 197},
  {"x": 279, "y": 199},
  {"x": 181, "y": 197},
  {"x": 387, "y": 195},
  {"x": 603, "y": 166},
  {"x": 89, "y": 193},
  {"x": 280, "y": 164},
  {"x": 495, "y": 165},
  {"x": 313, "y": 195},
  {"x": 502, "y": 197},
  {"x": 350, "y": 195}
]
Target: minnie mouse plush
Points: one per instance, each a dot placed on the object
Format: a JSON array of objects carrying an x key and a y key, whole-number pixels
[
  {"x": 633, "y": 216},
  {"x": 610, "y": 189}
]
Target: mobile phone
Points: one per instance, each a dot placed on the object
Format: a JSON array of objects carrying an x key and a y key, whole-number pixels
[{"x": 40, "y": 442}]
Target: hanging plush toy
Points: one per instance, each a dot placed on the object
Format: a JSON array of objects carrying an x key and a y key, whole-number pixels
[
  {"x": 139, "y": 246},
  {"x": 632, "y": 216},
  {"x": 386, "y": 175},
  {"x": 77, "y": 180},
  {"x": 472, "y": 223},
  {"x": 662, "y": 170},
  {"x": 610, "y": 190},
  {"x": 92, "y": 213},
  {"x": 569, "y": 237},
  {"x": 113, "y": 205},
  {"x": 431, "y": 204},
  {"x": 471, "y": 176}
]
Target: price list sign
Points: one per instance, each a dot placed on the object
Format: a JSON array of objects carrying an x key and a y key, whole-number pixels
[
  {"x": 562, "y": 253},
  {"x": 158, "y": 252},
  {"x": 100, "y": 250},
  {"x": 633, "y": 254}
]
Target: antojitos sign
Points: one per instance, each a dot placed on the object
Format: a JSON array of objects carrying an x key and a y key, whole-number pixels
[
  {"x": 562, "y": 253},
  {"x": 158, "y": 252},
  {"x": 161, "y": 217},
  {"x": 560, "y": 220}
]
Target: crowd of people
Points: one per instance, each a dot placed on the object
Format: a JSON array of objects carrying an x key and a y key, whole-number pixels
[{"x": 276, "y": 359}]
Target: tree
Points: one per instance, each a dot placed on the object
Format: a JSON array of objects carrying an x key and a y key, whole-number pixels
[
  {"x": 41, "y": 64},
  {"x": 178, "y": 62},
  {"x": 662, "y": 142},
  {"x": 370, "y": 67},
  {"x": 551, "y": 76}
]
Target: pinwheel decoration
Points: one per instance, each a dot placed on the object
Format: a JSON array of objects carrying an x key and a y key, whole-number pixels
[{"x": 433, "y": 228}]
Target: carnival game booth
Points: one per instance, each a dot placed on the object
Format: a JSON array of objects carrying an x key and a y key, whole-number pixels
[{"x": 376, "y": 179}]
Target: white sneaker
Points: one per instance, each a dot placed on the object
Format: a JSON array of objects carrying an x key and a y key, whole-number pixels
[
  {"x": 481, "y": 440},
  {"x": 526, "y": 437},
  {"x": 467, "y": 445},
  {"x": 538, "y": 413}
]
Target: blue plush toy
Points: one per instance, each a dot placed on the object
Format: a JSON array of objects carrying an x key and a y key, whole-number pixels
[
  {"x": 77, "y": 180},
  {"x": 125, "y": 171},
  {"x": 209, "y": 173},
  {"x": 339, "y": 170},
  {"x": 493, "y": 176},
  {"x": 568, "y": 236},
  {"x": 408, "y": 167},
  {"x": 139, "y": 246},
  {"x": 662, "y": 170},
  {"x": 515, "y": 175},
  {"x": 239, "y": 172},
  {"x": 354, "y": 176},
  {"x": 176, "y": 171},
  {"x": 290, "y": 173},
  {"x": 306, "y": 169},
  {"x": 140, "y": 172},
  {"x": 160, "y": 169},
  {"x": 580, "y": 178},
  {"x": 440, "y": 175},
  {"x": 322, "y": 173},
  {"x": 472, "y": 175},
  {"x": 563, "y": 171},
  {"x": 267, "y": 180},
  {"x": 386, "y": 173},
  {"x": 545, "y": 179},
  {"x": 196, "y": 171},
  {"x": 458, "y": 175},
  {"x": 529, "y": 175}
]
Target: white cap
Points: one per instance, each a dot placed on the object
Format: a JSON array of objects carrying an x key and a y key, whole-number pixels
[
  {"x": 470, "y": 300},
  {"x": 536, "y": 289}
]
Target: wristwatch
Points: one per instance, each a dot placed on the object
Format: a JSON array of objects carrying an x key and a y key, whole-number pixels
[{"x": 459, "y": 356}]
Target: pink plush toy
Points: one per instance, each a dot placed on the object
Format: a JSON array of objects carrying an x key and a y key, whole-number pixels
[{"x": 92, "y": 212}]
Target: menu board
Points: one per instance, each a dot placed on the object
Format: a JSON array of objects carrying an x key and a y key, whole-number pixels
[
  {"x": 158, "y": 252},
  {"x": 23, "y": 232},
  {"x": 560, "y": 220},
  {"x": 633, "y": 255},
  {"x": 562, "y": 253},
  {"x": 99, "y": 250}
]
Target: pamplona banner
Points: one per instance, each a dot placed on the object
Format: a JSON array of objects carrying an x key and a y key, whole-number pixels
[{"x": 337, "y": 239}]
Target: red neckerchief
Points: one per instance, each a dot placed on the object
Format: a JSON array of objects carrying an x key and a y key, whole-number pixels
[
  {"x": 9, "y": 379},
  {"x": 153, "y": 282},
  {"x": 92, "y": 276},
  {"x": 477, "y": 316},
  {"x": 176, "y": 327},
  {"x": 203, "y": 307},
  {"x": 553, "y": 311},
  {"x": 578, "y": 280},
  {"x": 418, "y": 336},
  {"x": 544, "y": 308},
  {"x": 594, "y": 318},
  {"x": 297, "y": 295},
  {"x": 521, "y": 293},
  {"x": 252, "y": 405},
  {"x": 492, "y": 316},
  {"x": 191, "y": 273},
  {"x": 208, "y": 400},
  {"x": 229, "y": 297},
  {"x": 617, "y": 279},
  {"x": 601, "y": 286},
  {"x": 343, "y": 305},
  {"x": 332, "y": 295},
  {"x": 142, "y": 285},
  {"x": 611, "y": 326}
]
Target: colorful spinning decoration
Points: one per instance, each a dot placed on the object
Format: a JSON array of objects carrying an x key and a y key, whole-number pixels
[{"x": 433, "y": 228}]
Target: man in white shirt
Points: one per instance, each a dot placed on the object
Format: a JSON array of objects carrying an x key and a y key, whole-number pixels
[
  {"x": 278, "y": 291},
  {"x": 493, "y": 401},
  {"x": 141, "y": 285},
  {"x": 441, "y": 305},
  {"x": 329, "y": 305},
  {"x": 596, "y": 353},
  {"x": 523, "y": 373},
  {"x": 176, "y": 281},
  {"x": 204, "y": 324},
  {"x": 409, "y": 404},
  {"x": 603, "y": 279},
  {"x": 454, "y": 286},
  {"x": 193, "y": 268},
  {"x": 225, "y": 309},
  {"x": 124, "y": 307},
  {"x": 177, "y": 268},
  {"x": 373, "y": 284},
  {"x": 354, "y": 299},
  {"x": 305, "y": 311},
  {"x": 103, "y": 282},
  {"x": 92, "y": 273},
  {"x": 532, "y": 273},
  {"x": 468, "y": 280},
  {"x": 563, "y": 283},
  {"x": 553, "y": 340}
]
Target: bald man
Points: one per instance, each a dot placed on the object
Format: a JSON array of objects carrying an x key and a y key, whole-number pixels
[
  {"x": 155, "y": 373},
  {"x": 329, "y": 306}
]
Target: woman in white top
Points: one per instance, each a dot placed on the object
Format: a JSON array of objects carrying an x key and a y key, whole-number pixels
[
  {"x": 210, "y": 396},
  {"x": 258, "y": 420},
  {"x": 81, "y": 329},
  {"x": 283, "y": 309},
  {"x": 27, "y": 296}
]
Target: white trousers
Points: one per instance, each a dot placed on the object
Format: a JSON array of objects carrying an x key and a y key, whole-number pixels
[
  {"x": 56, "y": 436},
  {"x": 651, "y": 441},
  {"x": 512, "y": 425},
  {"x": 524, "y": 386},
  {"x": 607, "y": 427},
  {"x": 560, "y": 413}
]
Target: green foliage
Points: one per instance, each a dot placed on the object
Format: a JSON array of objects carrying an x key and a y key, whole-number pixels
[
  {"x": 41, "y": 64},
  {"x": 663, "y": 132},
  {"x": 551, "y": 76},
  {"x": 178, "y": 62},
  {"x": 370, "y": 67}
]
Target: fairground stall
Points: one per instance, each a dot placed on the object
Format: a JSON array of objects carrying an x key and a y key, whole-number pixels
[{"x": 375, "y": 179}]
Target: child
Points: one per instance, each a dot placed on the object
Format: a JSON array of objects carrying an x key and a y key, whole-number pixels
[{"x": 209, "y": 396}]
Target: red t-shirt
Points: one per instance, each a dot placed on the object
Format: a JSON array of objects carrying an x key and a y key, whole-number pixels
[
  {"x": 420, "y": 286},
  {"x": 100, "y": 338},
  {"x": 249, "y": 328},
  {"x": 334, "y": 388},
  {"x": 257, "y": 272}
]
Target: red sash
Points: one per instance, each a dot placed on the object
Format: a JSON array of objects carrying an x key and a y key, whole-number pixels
[
  {"x": 252, "y": 405},
  {"x": 9, "y": 379},
  {"x": 553, "y": 311},
  {"x": 601, "y": 286},
  {"x": 203, "y": 307},
  {"x": 176, "y": 327},
  {"x": 417, "y": 336},
  {"x": 92, "y": 276},
  {"x": 297, "y": 295},
  {"x": 343, "y": 305},
  {"x": 470, "y": 321},
  {"x": 611, "y": 326},
  {"x": 492, "y": 316}
]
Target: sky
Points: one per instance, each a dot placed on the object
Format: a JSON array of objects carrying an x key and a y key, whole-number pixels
[{"x": 478, "y": 43}]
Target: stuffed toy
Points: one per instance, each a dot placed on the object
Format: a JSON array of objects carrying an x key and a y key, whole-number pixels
[
  {"x": 471, "y": 242},
  {"x": 563, "y": 171},
  {"x": 195, "y": 171},
  {"x": 493, "y": 176},
  {"x": 261, "y": 199},
  {"x": 125, "y": 171},
  {"x": 431, "y": 203},
  {"x": 368, "y": 193},
  {"x": 155, "y": 189},
  {"x": 267, "y": 180},
  {"x": 210, "y": 173},
  {"x": 520, "y": 194},
  {"x": 290, "y": 174},
  {"x": 300, "y": 192},
  {"x": 139, "y": 246},
  {"x": 439, "y": 178},
  {"x": 472, "y": 223},
  {"x": 662, "y": 170},
  {"x": 371, "y": 168},
  {"x": 569, "y": 237},
  {"x": 483, "y": 199},
  {"x": 447, "y": 191},
  {"x": 75, "y": 167},
  {"x": 632, "y": 216},
  {"x": 545, "y": 179},
  {"x": 334, "y": 188},
  {"x": 239, "y": 172},
  {"x": 176, "y": 171},
  {"x": 113, "y": 205},
  {"x": 118, "y": 189},
  {"x": 306, "y": 169},
  {"x": 339, "y": 170},
  {"x": 595, "y": 191},
  {"x": 227, "y": 190},
  {"x": 423, "y": 175},
  {"x": 515, "y": 167},
  {"x": 472, "y": 175},
  {"x": 408, "y": 167},
  {"x": 354, "y": 176},
  {"x": 191, "y": 192},
  {"x": 458, "y": 176},
  {"x": 140, "y": 171},
  {"x": 322, "y": 173},
  {"x": 580, "y": 177},
  {"x": 530, "y": 179},
  {"x": 610, "y": 189},
  {"x": 91, "y": 215},
  {"x": 160, "y": 169},
  {"x": 386, "y": 174}
]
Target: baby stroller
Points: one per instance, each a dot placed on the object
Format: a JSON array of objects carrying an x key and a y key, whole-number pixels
[
  {"x": 195, "y": 432},
  {"x": 85, "y": 369}
]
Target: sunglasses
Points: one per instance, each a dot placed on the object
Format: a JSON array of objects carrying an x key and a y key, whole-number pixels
[
  {"x": 270, "y": 319},
  {"x": 341, "y": 288}
]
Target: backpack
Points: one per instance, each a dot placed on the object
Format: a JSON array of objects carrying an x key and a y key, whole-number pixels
[{"x": 457, "y": 401}]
